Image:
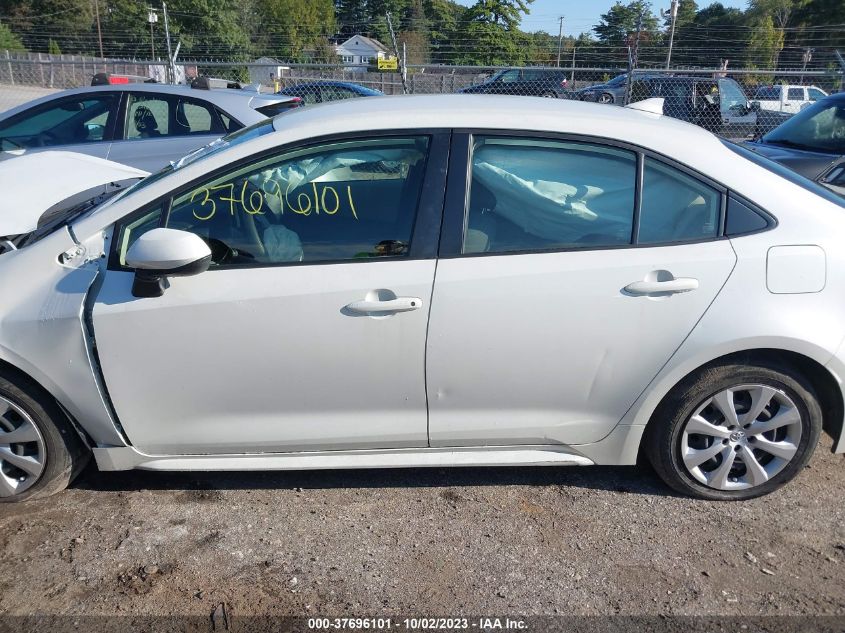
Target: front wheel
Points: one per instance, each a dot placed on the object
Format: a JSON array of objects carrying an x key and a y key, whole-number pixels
[
  {"x": 40, "y": 451},
  {"x": 734, "y": 432}
]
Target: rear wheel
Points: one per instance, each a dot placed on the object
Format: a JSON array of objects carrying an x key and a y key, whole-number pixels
[
  {"x": 40, "y": 451},
  {"x": 734, "y": 431},
  {"x": 605, "y": 98},
  {"x": 549, "y": 95}
]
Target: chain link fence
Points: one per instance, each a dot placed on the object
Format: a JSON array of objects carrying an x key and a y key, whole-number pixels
[{"x": 735, "y": 103}]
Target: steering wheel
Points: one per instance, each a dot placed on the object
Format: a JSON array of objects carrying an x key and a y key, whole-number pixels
[{"x": 221, "y": 253}]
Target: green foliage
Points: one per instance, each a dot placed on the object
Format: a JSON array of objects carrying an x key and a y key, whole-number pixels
[
  {"x": 765, "y": 44},
  {"x": 619, "y": 26},
  {"x": 53, "y": 48},
  {"x": 486, "y": 32},
  {"x": 8, "y": 40},
  {"x": 291, "y": 29}
]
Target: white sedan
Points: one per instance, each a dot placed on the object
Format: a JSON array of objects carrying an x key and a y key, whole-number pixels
[{"x": 429, "y": 281}]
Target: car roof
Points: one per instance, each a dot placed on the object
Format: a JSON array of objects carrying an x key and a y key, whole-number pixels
[
  {"x": 495, "y": 112},
  {"x": 228, "y": 99}
]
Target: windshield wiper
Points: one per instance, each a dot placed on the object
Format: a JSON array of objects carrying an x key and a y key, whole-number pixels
[{"x": 794, "y": 145}]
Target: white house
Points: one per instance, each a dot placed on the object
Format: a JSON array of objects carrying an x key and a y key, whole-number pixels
[{"x": 360, "y": 51}]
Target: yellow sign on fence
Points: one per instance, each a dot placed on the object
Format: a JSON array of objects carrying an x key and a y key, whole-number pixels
[{"x": 388, "y": 63}]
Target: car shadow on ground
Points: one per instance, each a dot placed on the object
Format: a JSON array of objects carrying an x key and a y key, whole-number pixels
[{"x": 626, "y": 479}]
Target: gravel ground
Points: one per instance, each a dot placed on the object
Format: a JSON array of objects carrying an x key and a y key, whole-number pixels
[
  {"x": 11, "y": 96},
  {"x": 524, "y": 541}
]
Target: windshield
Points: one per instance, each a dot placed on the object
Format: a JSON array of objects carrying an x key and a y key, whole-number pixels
[
  {"x": 819, "y": 128},
  {"x": 617, "y": 81},
  {"x": 785, "y": 172}
]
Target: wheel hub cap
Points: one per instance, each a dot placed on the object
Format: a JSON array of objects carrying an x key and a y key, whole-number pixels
[
  {"x": 741, "y": 437},
  {"x": 22, "y": 451}
]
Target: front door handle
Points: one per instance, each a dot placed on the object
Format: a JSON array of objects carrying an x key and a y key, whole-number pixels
[
  {"x": 670, "y": 286},
  {"x": 399, "y": 304}
]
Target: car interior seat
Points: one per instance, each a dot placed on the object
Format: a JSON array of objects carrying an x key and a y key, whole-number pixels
[{"x": 145, "y": 122}]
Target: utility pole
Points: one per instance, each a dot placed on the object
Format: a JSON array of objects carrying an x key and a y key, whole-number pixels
[
  {"x": 403, "y": 72},
  {"x": 572, "y": 76},
  {"x": 171, "y": 65},
  {"x": 152, "y": 18},
  {"x": 559, "y": 40},
  {"x": 806, "y": 58},
  {"x": 674, "y": 12},
  {"x": 633, "y": 54},
  {"x": 99, "y": 30}
]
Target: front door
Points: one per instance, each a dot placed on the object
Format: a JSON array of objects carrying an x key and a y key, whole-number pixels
[
  {"x": 738, "y": 119},
  {"x": 81, "y": 123},
  {"x": 308, "y": 331},
  {"x": 547, "y": 323}
]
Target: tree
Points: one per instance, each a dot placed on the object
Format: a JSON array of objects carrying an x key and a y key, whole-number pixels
[
  {"x": 619, "y": 26},
  {"x": 770, "y": 19},
  {"x": 352, "y": 16},
  {"x": 292, "y": 29},
  {"x": 694, "y": 41},
  {"x": 765, "y": 44},
  {"x": 442, "y": 18},
  {"x": 8, "y": 40}
]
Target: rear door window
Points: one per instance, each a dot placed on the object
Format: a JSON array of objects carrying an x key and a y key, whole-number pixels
[
  {"x": 534, "y": 195},
  {"x": 151, "y": 115},
  {"x": 676, "y": 207},
  {"x": 795, "y": 94}
]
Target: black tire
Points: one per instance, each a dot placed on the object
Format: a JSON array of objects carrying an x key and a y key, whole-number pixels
[
  {"x": 65, "y": 453},
  {"x": 549, "y": 94},
  {"x": 663, "y": 436}
]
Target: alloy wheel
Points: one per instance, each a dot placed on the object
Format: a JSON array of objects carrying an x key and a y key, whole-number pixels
[
  {"x": 605, "y": 98},
  {"x": 22, "y": 450},
  {"x": 741, "y": 437}
]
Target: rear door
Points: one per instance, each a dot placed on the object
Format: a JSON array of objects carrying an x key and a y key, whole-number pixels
[
  {"x": 158, "y": 128},
  {"x": 562, "y": 287}
]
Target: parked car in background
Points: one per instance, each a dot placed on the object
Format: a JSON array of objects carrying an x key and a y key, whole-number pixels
[
  {"x": 323, "y": 91},
  {"x": 811, "y": 143},
  {"x": 144, "y": 125},
  {"x": 786, "y": 98},
  {"x": 536, "y": 82},
  {"x": 717, "y": 105},
  {"x": 610, "y": 92},
  {"x": 609, "y": 283}
]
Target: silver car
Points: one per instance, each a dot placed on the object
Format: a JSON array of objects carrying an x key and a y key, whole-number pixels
[
  {"x": 428, "y": 281},
  {"x": 144, "y": 125}
]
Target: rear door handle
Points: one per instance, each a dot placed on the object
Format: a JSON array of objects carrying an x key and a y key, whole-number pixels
[
  {"x": 399, "y": 304},
  {"x": 670, "y": 286}
]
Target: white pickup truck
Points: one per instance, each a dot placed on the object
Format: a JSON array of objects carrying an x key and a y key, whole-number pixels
[{"x": 787, "y": 99}]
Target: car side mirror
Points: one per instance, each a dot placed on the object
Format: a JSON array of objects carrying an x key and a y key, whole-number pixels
[{"x": 162, "y": 253}]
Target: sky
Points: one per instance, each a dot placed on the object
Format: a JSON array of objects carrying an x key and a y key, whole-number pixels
[{"x": 581, "y": 15}]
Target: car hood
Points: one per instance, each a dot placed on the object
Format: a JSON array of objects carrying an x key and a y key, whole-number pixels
[
  {"x": 35, "y": 183},
  {"x": 809, "y": 164}
]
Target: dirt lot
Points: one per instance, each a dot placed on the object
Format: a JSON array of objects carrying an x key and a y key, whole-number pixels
[
  {"x": 423, "y": 542},
  {"x": 11, "y": 96}
]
